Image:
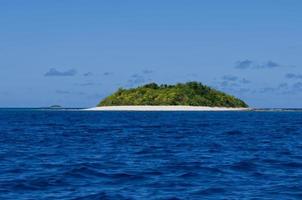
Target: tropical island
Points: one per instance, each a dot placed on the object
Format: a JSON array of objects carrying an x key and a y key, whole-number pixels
[{"x": 182, "y": 96}]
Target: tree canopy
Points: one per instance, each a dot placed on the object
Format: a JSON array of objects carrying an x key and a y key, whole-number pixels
[{"x": 190, "y": 94}]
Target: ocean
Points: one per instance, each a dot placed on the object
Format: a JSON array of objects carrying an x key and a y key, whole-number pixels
[{"x": 72, "y": 154}]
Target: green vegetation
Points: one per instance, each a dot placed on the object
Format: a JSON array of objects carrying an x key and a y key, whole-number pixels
[
  {"x": 191, "y": 94},
  {"x": 55, "y": 106}
]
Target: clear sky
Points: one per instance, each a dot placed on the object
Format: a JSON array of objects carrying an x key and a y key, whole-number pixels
[{"x": 73, "y": 53}]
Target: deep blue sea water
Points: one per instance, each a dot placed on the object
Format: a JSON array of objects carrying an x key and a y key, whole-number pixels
[{"x": 150, "y": 155}]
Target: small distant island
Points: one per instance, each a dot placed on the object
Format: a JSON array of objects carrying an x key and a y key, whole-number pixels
[
  {"x": 182, "y": 96},
  {"x": 55, "y": 107}
]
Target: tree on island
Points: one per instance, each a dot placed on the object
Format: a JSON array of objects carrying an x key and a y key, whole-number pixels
[{"x": 188, "y": 94}]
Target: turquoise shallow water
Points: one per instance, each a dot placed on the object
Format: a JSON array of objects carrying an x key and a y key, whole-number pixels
[{"x": 150, "y": 155}]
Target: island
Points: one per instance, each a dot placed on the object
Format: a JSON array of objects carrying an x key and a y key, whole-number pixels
[
  {"x": 190, "y": 96},
  {"x": 55, "y": 107}
]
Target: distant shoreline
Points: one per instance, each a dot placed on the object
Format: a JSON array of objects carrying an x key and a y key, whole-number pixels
[{"x": 164, "y": 108}]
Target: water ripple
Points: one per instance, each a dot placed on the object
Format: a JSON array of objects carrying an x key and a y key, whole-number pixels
[{"x": 150, "y": 155}]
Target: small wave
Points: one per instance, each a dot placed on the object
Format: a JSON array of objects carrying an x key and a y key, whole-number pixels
[
  {"x": 234, "y": 132},
  {"x": 244, "y": 166},
  {"x": 84, "y": 171},
  {"x": 210, "y": 191},
  {"x": 126, "y": 176},
  {"x": 293, "y": 165},
  {"x": 103, "y": 196},
  {"x": 33, "y": 184},
  {"x": 189, "y": 174}
]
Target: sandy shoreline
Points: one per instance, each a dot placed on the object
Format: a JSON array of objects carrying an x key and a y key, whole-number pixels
[{"x": 164, "y": 108}]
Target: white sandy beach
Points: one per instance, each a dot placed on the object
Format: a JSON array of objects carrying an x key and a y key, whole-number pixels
[{"x": 164, "y": 108}]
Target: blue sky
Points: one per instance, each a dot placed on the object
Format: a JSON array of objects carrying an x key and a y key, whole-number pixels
[{"x": 74, "y": 53}]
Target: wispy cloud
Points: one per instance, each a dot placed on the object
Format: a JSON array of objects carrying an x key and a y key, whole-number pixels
[
  {"x": 67, "y": 92},
  {"x": 228, "y": 84},
  {"x": 243, "y": 90},
  {"x": 147, "y": 71},
  {"x": 86, "y": 84},
  {"x": 249, "y": 64},
  {"x": 140, "y": 78},
  {"x": 283, "y": 88},
  {"x": 230, "y": 78},
  {"x": 269, "y": 64},
  {"x": 55, "y": 72},
  {"x": 136, "y": 79},
  {"x": 268, "y": 90},
  {"x": 244, "y": 64},
  {"x": 234, "y": 79},
  {"x": 88, "y": 74},
  {"x": 244, "y": 81},
  {"x": 107, "y": 73},
  {"x": 62, "y": 92},
  {"x": 233, "y": 84},
  {"x": 297, "y": 86},
  {"x": 293, "y": 76}
]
